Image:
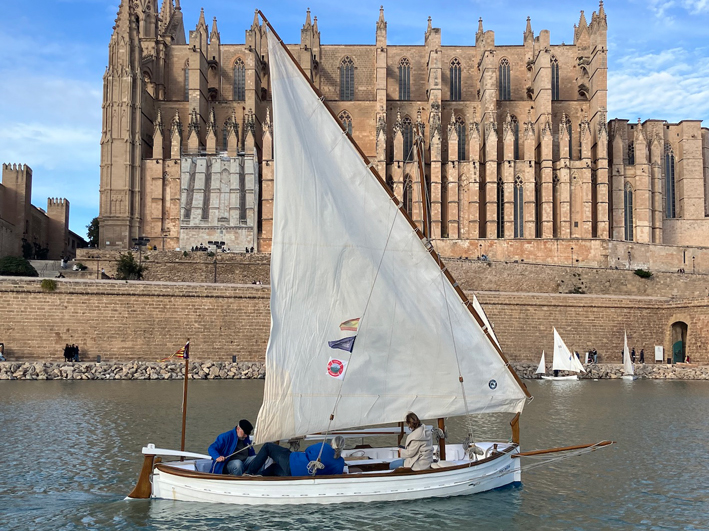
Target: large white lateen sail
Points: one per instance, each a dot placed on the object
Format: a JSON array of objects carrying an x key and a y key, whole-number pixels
[{"x": 345, "y": 263}]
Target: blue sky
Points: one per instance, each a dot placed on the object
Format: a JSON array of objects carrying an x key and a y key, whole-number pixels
[{"x": 54, "y": 53}]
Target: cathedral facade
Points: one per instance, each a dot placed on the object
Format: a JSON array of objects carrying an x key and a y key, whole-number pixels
[{"x": 518, "y": 157}]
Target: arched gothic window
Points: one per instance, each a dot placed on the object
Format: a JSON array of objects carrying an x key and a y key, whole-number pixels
[
  {"x": 554, "y": 78},
  {"x": 347, "y": 83},
  {"x": 455, "y": 80},
  {"x": 631, "y": 153},
  {"x": 404, "y": 79},
  {"x": 239, "y": 80},
  {"x": 519, "y": 208},
  {"x": 407, "y": 131},
  {"x": 628, "y": 204},
  {"x": 504, "y": 78},
  {"x": 346, "y": 120},
  {"x": 515, "y": 132},
  {"x": 500, "y": 208},
  {"x": 571, "y": 140},
  {"x": 460, "y": 129},
  {"x": 225, "y": 135},
  {"x": 670, "y": 181},
  {"x": 187, "y": 80}
]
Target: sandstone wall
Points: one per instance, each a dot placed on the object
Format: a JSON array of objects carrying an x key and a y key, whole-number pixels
[
  {"x": 122, "y": 321},
  {"x": 476, "y": 275}
]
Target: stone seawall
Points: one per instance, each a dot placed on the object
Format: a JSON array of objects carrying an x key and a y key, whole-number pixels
[{"x": 210, "y": 370}]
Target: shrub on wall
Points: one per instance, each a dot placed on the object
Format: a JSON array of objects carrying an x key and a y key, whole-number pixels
[
  {"x": 16, "y": 266},
  {"x": 49, "y": 285},
  {"x": 642, "y": 273},
  {"x": 128, "y": 268}
]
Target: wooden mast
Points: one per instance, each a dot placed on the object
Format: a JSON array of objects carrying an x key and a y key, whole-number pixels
[{"x": 186, "y": 356}]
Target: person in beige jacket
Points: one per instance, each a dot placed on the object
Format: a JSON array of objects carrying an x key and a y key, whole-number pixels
[{"x": 417, "y": 454}]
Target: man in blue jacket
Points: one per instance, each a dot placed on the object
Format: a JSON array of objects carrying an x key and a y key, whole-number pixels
[
  {"x": 233, "y": 449},
  {"x": 287, "y": 463}
]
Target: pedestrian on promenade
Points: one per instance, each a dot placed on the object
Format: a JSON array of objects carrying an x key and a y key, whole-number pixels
[
  {"x": 642, "y": 355},
  {"x": 632, "y": 355}
]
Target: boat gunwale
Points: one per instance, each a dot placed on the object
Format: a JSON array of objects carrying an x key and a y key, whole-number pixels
[{"x": 163, "y": 467}]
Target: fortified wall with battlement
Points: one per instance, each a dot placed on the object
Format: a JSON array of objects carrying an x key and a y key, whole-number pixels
[{"x": 123, "y": 321}]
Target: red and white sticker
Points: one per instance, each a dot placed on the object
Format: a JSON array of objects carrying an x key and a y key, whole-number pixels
[{"x": 336, "y": 368}]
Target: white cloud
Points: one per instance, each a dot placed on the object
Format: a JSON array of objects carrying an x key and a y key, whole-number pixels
[{"x": 672, "y": 85}]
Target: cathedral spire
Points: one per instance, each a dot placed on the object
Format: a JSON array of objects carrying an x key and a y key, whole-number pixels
[
  {"x": 177, "y": 5},
  {"x": 528, "y": 33},
  {"x": 166, "y": 11},
  {"x": 201, "y": 23},
  {"x": 315, "y": 25},
  {"x": 255, "y": 25},
  {"x": 430, "y": 26},
  {"x": 381, "y": 23},
  {"x": 481, "y": 32},
  {"x": 123, "y": 16},
  {"x": 215, "y": 32},
  {"x": 582, "y": 21},
  {"x": 308, "y": 24},
  {"x": 601, "y": 11}
]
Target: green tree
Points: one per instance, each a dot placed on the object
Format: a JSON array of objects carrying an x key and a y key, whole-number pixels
[
  {"x": 16, "y": 266},
  {"x": 92, "y": 232},
  {"x": 128, "y": 268}
]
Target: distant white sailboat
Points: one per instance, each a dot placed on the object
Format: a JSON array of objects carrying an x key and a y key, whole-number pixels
[
  {"x": 628, "y": 369},
  {"x": 542, "y": 369},
  {"x": 563, "y": 360}
]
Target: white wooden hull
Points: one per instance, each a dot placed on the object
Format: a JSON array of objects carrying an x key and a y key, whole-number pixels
[
  {"x": 560, "y": 378},
  {"x": 175, "y": 483}
]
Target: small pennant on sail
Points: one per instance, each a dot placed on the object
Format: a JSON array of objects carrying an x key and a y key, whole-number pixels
[
  {"x": 346, "y": 343},
  {"x": 336, "y": 368},
  {"x": 351, "y": 325}
]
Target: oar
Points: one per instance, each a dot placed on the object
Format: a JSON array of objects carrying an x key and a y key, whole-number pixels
[{"x": 564, "y": 449}]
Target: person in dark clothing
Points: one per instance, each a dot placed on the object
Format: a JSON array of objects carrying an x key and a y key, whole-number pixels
[
  {"x": 642, "y": 355},
  {"x": 632, "y": 355},
  {"x": 68, "y": 354},
  {"x": 287, "y": 463},
  {"x": 231, "y": 452}
]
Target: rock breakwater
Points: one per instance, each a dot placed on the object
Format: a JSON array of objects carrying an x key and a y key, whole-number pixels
[
  {"x": 218, "y": 370},
  {"x": 133, "y": 370},
  {"x": 607, "y": 371}
]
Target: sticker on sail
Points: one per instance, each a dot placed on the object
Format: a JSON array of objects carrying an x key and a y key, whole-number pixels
[
  {"x": 492, "y": 384},
  {"x": 336, "y": 368},
  {"x": 346, "y": 343},
  {"x": 351, "y": 324}
]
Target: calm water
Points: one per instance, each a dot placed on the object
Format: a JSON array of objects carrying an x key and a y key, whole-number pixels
[{"x": 71, "y": 452}]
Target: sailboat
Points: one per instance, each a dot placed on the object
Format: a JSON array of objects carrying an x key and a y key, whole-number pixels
[
  {"x": 366, "y": 325},
  {"x": 542, "y": 367},
  {"x": 563, "y": 360},
  {"x": 628, "y": 368}
]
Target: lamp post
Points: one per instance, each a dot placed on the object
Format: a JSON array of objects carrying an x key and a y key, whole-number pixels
[
  {"x": 692, "y": 265},
  {"x": 572, "y": 257},
  {"x": 480, "y": 251},
  {"x": 140, "y": 241}
]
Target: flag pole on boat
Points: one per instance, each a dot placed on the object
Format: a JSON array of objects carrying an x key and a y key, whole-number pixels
[{"x": 186, "y": 356}]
